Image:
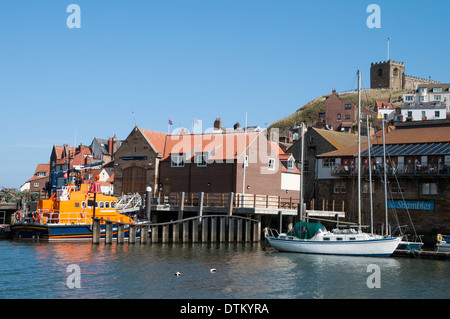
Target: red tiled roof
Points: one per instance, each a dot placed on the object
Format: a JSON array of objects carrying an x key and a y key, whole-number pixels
[
  {"x": 220, "y": 146},
  {"x": 156, "y": 139},
  {"x": 380, "y": 105}
]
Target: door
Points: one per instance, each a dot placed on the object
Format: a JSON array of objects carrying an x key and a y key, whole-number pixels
[{"x": 134, "y": 180}]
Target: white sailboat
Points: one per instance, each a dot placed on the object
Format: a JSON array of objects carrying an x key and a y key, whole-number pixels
[{"x": 314, "y": 238}]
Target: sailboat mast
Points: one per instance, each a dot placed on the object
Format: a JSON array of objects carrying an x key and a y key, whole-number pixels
[
  {"x": 385, "y": 179},
  {"x": 370, "y": 176},
  {"x": 301, "y": 171},
  {"x": 359, "y": 150}
]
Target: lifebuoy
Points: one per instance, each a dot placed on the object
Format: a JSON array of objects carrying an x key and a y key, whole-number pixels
[
  {"x": 439, "y": 237},
  {"x": 36, "y": 217},
  {"x": 18, "y": 216}
]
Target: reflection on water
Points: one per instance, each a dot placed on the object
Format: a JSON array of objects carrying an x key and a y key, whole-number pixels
[{"x": 39, "y": 270}]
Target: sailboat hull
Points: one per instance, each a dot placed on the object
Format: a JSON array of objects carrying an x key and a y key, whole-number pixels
[{"x": 373, "y": 247}]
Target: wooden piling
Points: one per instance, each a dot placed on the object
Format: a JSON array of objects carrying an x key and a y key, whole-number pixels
[
  {"x": 96, "y": 231},
  {"x": 165, "y": 233},
  {"x": 248, "y": 226},
  {"x": 132, "y": 234},
  {"x": 222, "y": 232},
  {"x": 230, "y": 203},
  {"x": 108, "y": 232},
  {"x": 239, "y": 230},
  {"x": 230, "y": 229},
  {"x": 120, "y": 233},
  {"x": 144, "y": 234},
  {"x": 205, "y": 230},
  {"x": 200, "y": 204},
  {"x": 175, "y": 232},
  {"x": 213, "y": 229},
  {"x": 186, "y": 232},
  {"x": 154, "y": 234},
  {"x": 195, "y": 230},
  {"x": 181, "y": 206}
]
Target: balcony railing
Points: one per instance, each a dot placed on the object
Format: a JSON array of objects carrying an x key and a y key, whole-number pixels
[{"x": 394, "y": 169}]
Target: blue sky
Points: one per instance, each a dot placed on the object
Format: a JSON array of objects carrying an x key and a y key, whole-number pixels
[{"x": 186, "y": 59}]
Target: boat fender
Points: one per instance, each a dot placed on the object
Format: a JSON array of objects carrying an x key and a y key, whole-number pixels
[
  {"x": 439, "y": 237},
  {"x": 18, "y": 216},
  {"x": 36, "y": 217}
]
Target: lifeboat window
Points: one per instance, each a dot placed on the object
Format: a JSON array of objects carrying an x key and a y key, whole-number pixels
[
  {"x": 101, "y": 204},
  {"x": 326, "y": 238},
  {"x": 113, "y": 204},
  {"x": 352, "y": 238},
  {"x": 338, "y": 238},
  {"x": 96, "y": 204},
  {"x": 106, "y": 204},
  {"x": 77, "y": 204}
]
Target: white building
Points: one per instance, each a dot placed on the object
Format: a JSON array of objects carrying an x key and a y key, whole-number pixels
[
  {"x": 429, "y": 93},
  {"x": 419, "y": 111}
]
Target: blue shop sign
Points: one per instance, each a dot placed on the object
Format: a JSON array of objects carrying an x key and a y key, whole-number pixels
[{"x": 411, "y": 204}]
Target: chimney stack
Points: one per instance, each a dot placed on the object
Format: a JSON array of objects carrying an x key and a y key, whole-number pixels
[{"x": 217, "y": 124}]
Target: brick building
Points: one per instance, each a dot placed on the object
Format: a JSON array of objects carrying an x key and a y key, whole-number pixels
[
  {"x": 38, "y": 182},
  {"x": 210, "y": 163},
  {"x": 339, "y": 114},
  {"x": 136, "y": 162},
  {"x": 418, "y": 171},
  {"x": 214, "y": 163},
  {"x": 317, "y": 141}
]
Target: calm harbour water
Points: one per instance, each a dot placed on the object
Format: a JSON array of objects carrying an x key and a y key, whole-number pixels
[{"x": 38, "y": 270}]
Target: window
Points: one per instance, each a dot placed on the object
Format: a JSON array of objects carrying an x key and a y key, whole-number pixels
[
  {"x": 77, "y": 204},
  {"x": 348, "y": 106},
  {"x": 380, "y": 72},
  {"x": 329, "y": 162},
  {"x": 271, "y": 164},
  {"x": 41, "y": 174},
  {"x": 290, "y": 164},
  {"x": 201, "y": 160},
  {"x": 396, "y": 188},
  {"x": 101, "y": 204},
  {"x": 366, "y": 187},
  {"x": 177, "y": 160},
  {"x": 305, "y": 166},
  {"x": 36, "y": 184},
  {"x": 83, "y": 205},
  {"x": 437, "y": 113},
  {"x": 437, "y": 97},
  {"x": 347, "y": 117},
  {"x": 339, "y": 188},
  {"x": 422, "y": 90},
  {"x": 421, "y": 98},
  {"x": 423, "y": 114},
  {"x": 409, "y": 98},
  {"x": 339, "y": 117},
  {"x": 107, "y": 205},
  {"x": 113, "y": 204},
  {"x": 437, "y": 89},
  {"x": 429, "y": 189}
]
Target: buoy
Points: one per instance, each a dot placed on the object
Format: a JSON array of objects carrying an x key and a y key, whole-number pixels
[
  {"x": 177, "y": 274},
  {"x": 213, "y": 270}
]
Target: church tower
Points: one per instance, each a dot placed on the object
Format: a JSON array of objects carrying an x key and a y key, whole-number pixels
[{"x": 387, "y": 75}]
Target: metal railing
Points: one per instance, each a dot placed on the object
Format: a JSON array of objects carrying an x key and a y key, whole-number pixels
[
  {"x": 44, "y": 216},
  {"x": 395, "y": 169}
]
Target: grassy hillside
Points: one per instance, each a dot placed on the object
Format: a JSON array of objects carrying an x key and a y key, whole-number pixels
[{"x": 309, "y": 113}]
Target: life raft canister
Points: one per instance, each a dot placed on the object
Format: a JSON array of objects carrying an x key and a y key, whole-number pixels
[{"x": 36, "y": 217}]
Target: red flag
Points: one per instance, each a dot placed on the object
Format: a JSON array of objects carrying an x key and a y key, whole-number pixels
[{"x": 170, "y": 122}]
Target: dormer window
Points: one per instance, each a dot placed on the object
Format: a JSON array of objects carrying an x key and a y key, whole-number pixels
[
  {"x": 177, "y": 160},
  {"x": 290, "y": 164},
  {"x": 437, "y": 89}
]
